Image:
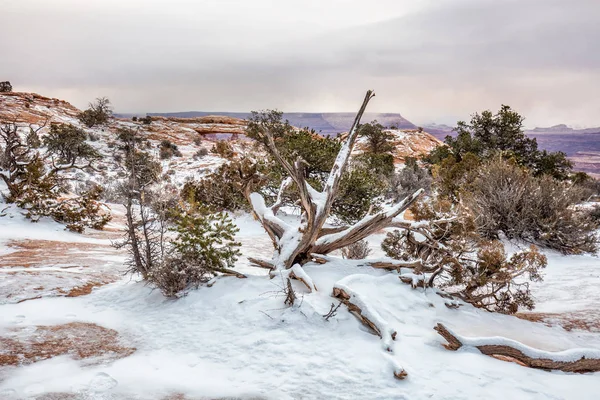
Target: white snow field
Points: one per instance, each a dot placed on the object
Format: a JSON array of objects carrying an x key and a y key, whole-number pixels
[{"x": 237, "y": 339}]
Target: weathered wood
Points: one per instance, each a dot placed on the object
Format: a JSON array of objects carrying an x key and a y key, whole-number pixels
[
  {"x": 400, "y": 374},
  {"x": 364, "y": 228},
  {"x": 230, "y": 272},
  {"x": 357, "y": 312},
  {"x": 510, "y": 353},
  {"x": 394, "y": 265},
  {"x": 309, "y": 287},
  {"x": 257, "y": 262}
]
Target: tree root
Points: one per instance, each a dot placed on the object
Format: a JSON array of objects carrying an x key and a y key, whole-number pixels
[{"x": 576, "y": 360}]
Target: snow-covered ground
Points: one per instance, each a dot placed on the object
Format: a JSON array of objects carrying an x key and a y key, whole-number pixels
[{"x": 237, "y": 339}]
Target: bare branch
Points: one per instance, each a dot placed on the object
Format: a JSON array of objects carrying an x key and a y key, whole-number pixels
[{"x": 363, "y": 228}]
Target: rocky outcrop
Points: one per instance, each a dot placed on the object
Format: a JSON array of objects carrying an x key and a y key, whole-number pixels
[
  {"x": 34, "y": 109},
  {"x": 407, "y": 143}
]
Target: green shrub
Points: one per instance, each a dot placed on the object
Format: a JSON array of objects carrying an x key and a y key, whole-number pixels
[
  {"x": 223, "y": 149},
  {"x": 488, "y": 135},
  {"x": 203, "y": 152},
  {"x": 222, "y": 190},
  {"x": 68, "y": 144},
  {"x": 5, "y": 87},
  {"x": 98, "y": 113},
  {"x": 168, "y": 150},
  {"x": 204, "y": 245}
]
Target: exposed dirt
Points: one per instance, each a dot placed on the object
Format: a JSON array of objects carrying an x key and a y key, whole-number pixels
[
  {"x": 29, "y": 253},
  {"x": 85, "y": 289},
  {"x": 80, "y": 340},
  {"x": 586, "y": 320},
  {"x": 45, "y": 268}
]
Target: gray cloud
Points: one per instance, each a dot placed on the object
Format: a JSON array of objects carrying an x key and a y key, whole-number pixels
[{"x": 427, "y": 60}]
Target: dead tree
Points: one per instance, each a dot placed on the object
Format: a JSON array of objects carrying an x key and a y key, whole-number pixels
[
  {"x": 295, "y": 244},
  {"x": 575, "y": 360}
]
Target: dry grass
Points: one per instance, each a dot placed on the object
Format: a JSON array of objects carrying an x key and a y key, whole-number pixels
[{"x": 80, "y": 340}]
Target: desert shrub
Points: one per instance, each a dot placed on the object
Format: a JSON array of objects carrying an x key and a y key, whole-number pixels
[
  {"x": 40, "y": 197},
  {"x": 377, "y": 156},
  {"x": 92, "y": 137},
  {"x": 488, "y": 135},
  {"x": 145, "y": 168},
  {"x": 198, "y": 140},
  {"x": 165, "y": 153},
  {"x": 174, "y": 246},
  {"x": 168, "y": 150},
  {"x": 36, "y": 181},
  {"x": 139, "y": 165},
  {"x": 147, "y": 120},
  {"x": 408, "y": 180},
  {"x": 134, "y": 118},
  {"x": 357, "y": 250},
  {"x": 203, "y": 246},
  {"x": 465, "y": 264},
  {"x": 590, "y": 187},
  {"x": 378, "y": 140},
  {"x": 83, "y": 211},
  {"x": 68, "y": 144},
  {"x": 594, "y": 214},
  {"x": 223, "y": 149},
  {"x": 33, "y": 139},
  {"x": 450, "y": 174},
  {"x": 223, "y": 189},
  {"x": 201, "y": 153},
  {"x": 507, "y": 199},
  {"x": 5, "y": 87},
  {"x": 98, "y": 113}
]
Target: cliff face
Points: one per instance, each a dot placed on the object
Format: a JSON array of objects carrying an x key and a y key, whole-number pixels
[
  {"x": 563, "y": 129},
  {"x": 32, "y": 108}
]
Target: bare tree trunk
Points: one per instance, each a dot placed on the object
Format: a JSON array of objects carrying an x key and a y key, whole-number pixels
[
  {"x": 296, "y": 244},
  {"x": 133, "y": 239}
]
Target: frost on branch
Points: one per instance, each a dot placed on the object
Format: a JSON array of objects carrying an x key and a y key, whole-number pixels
[{"x": 295, "y": 243}]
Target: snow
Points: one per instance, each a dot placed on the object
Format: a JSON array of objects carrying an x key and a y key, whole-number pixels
[
  {"x": 570, "y": 284},
  {"x": 237, "y": 339},
  {"x": 14, "y": 226}
]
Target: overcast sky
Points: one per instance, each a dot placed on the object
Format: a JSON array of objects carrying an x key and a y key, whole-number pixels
[{"x": 431, "y": 61}]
